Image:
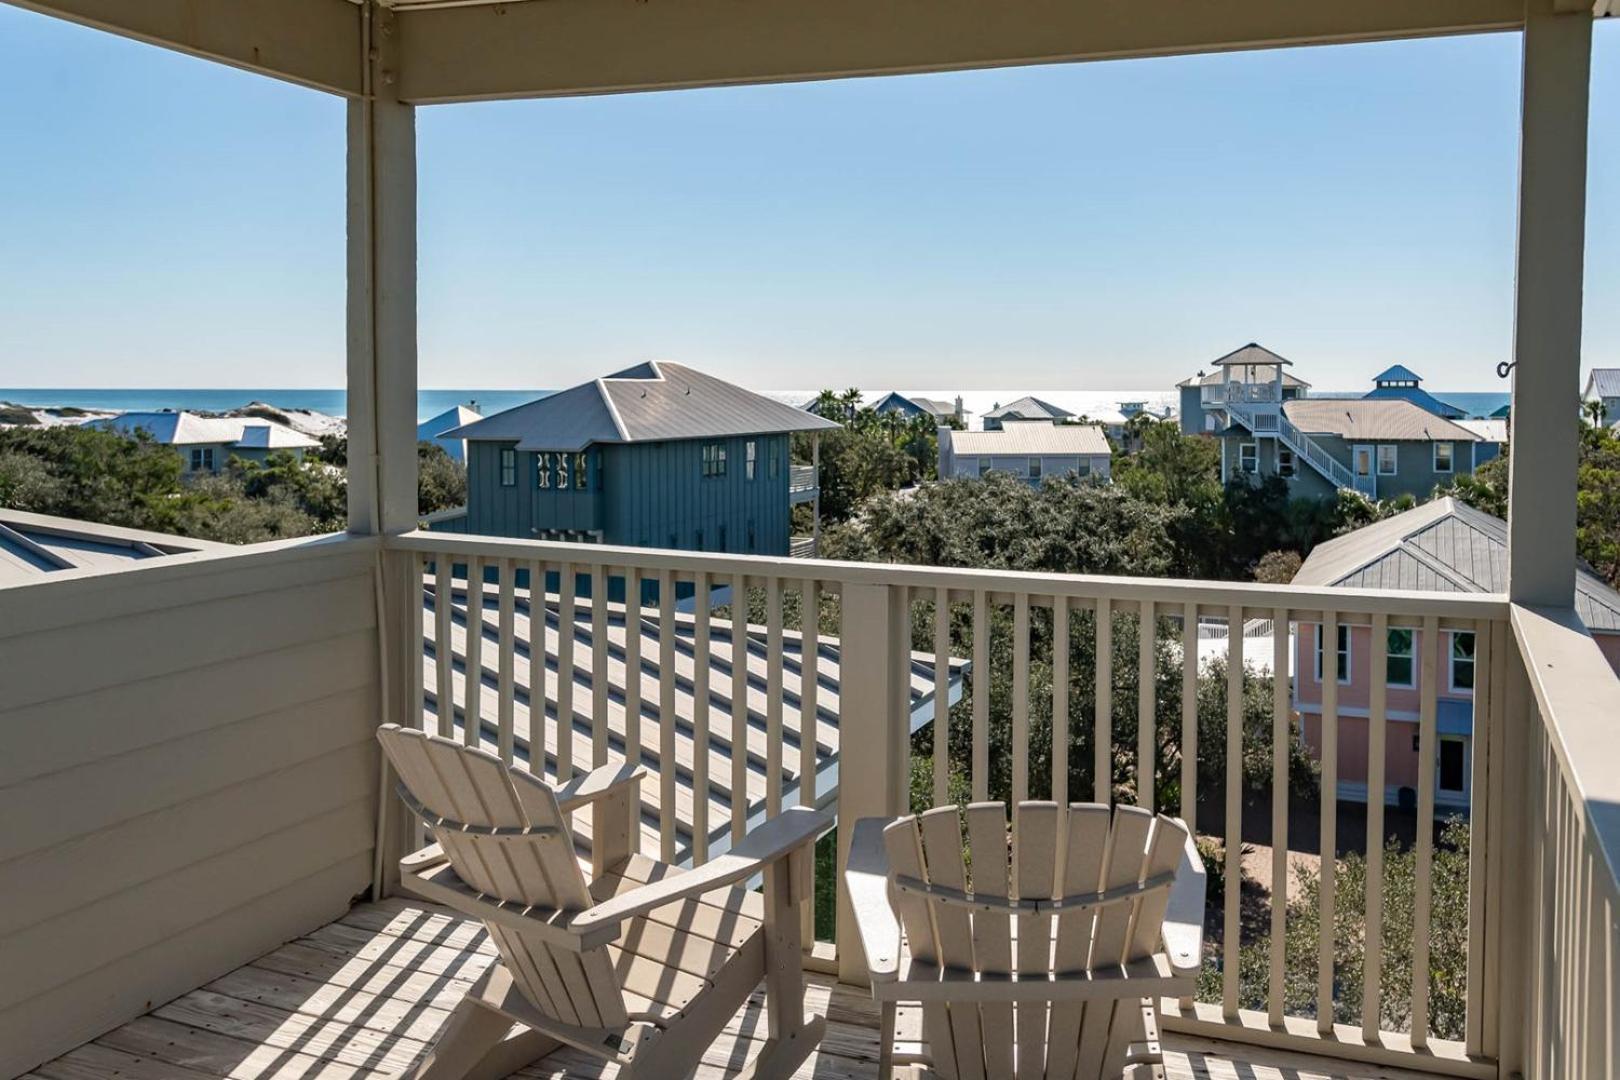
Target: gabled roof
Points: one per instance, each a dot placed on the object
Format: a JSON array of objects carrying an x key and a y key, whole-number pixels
[
  {"x": 1369, "y": 419},
  {"x": 35, "y": 545},
  {"x": 1603, "y": 382},
  {"x": 1032, "y": 437},
  {"x": 652, "y": 402},
  {"x": 453, "y": 417},
  {"x": 1397, "y": 373},
  {"x": 1441, "y": 546},
  {"x": 1028, "y": 408},
  {"x": 189, "y": 429},
  {"x": 931, "y": 406},
  {"x": 1245, "y": 355}
]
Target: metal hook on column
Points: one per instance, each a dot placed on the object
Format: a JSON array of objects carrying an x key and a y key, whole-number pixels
[{"x": 1505, "y": 367}]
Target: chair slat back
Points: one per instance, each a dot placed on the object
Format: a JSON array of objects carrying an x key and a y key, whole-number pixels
[
  {"x": 466, "y": 786},
  {"x": 964, "y": 907}
]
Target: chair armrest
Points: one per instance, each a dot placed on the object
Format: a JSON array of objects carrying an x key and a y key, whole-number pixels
[
  {"x": 773, "y": 840},
  {"x": 867, "y": 877},
  {"x": 1184, "y": 914},
  {"x": 597, "y": 784}
]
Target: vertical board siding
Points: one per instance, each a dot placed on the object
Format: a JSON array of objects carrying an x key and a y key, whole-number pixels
[{"x": 163, "y": 877}]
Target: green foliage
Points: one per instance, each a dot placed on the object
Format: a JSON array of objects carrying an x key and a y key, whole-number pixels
[
  {"x": 998, "y": 521},
  {"x": 441, "y": 480},
  {"x": 1277, "y": 567},
  {"x": 104, "y": 476},
  {"x": 95, "y": 475},
  {"x": 873, "y": 452},
  {"x": 1448, "y": 939}
]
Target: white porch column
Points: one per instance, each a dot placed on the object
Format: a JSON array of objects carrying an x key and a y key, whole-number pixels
[
  {"x": 1547, "y": 308},
  {"x": 382, "y": 389},
  {"x": 382, "y": 293},
  {"x": 874, "y": 726},
  {"x": 815, "y": 500}
]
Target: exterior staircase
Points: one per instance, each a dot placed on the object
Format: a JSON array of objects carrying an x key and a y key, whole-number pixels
[{"x": 1304, "y": 447}]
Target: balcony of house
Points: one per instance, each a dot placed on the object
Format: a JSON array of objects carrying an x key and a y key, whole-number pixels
[
  {"x": 196, "y": 793},
  {"x": 803, "y": 485}
]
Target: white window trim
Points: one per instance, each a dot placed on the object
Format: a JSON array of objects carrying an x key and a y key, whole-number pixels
[
  {"x": 751, "y": 459},
  {"x": 1394, "y": 655},
  {"x": 1255, "y": 448},
  {"x": 503, "y": 467},
  {"x": 1395, "y": 459},
  {"x": 1293, "y": 462},
  {"x": 1346, "y": 657},
  {"x": 1451, "y": 664},
  {"x": 1452, "y": 466}
]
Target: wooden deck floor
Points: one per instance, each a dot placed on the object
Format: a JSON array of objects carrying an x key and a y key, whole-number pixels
[{"x": 364, "y": 996}]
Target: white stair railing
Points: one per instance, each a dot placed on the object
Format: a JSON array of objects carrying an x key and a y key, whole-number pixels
[{"x": 1296, "y": 440}]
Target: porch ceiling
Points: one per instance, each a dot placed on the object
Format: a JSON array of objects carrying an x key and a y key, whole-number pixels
[{"x": 458, "y": 50}]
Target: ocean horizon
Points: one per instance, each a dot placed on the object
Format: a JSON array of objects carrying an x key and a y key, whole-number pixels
[{"x": 334, "y": 401}]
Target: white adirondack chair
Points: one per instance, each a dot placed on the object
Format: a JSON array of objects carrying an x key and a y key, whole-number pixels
[
  {"x": 1048, "y": 968},
  {"x": 641, "y": 964}
]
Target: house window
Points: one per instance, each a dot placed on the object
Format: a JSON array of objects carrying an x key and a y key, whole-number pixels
[
  {"x": 1249, "y": 457},
  {"x": 1462, "y": 661},
  {"x": 508, "y": 468},
  {"x": 750, "y": 536},
  {"x": 542, "y": 470},
  {"x": 722, "y": 538},
  {"x": 1034, "y": 468},
  {"x": 1085, "y": 469},
  {"x": 749, "y": 460},
  {"x": 1442, "y": 456},
  {"x": 714, "y": 459},
  {"x": 580, "y": 473},
  {"x": 776, "y": 458},
  {"x": 1451, "y": 765},
  {"x": 202, "y": 459},
  {"x": 1400, "y": 667},
  {"x": 984, "y": 466},
  {"x": 1386, "y": 459},
  {"x": 562, "y": 472},
  {"x": 1343, "y": 651},
  {"x": 1285, "y": 462}
]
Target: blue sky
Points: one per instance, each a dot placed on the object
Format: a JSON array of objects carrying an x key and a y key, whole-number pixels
[{"x": 169, "y": 222}]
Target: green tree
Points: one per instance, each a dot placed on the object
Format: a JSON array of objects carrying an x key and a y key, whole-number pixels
[{"x": 441, "y": 480}]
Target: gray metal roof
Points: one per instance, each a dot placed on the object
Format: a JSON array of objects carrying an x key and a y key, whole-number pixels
[
  {"x": 1397, "y": 373},
  {"x": 1029, "y": 408},
  {"x": 1371, "y": 419},
  {"x": 1031, "y": 437},
  {"x": 1250, "y": 354},
  {"x": 652, "y": 402},
  {"x": 34, "y": 545},
  {"x": 188, "y": 429},
  {"x": 1441, "y": 546},
  {"x": 1603, "y": 382}
]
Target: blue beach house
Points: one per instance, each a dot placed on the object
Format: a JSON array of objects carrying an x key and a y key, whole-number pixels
[{"x": 657, "y": 455}]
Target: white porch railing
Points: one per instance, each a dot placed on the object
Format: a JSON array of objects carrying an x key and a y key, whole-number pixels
[
  {"x": 1559, "y": 869},
  {"x": 893, "y": 626},
  {"x": 801, "y": 478}
]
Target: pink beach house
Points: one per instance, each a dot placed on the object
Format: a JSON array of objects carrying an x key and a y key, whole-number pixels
[{"x": 1442, "y": 545}]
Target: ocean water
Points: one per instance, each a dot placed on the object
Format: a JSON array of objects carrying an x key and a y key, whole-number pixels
[{"x": 334, "y": 402}]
